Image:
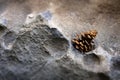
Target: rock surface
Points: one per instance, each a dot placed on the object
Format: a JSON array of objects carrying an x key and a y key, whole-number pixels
[{"x": 35, "y": 39}]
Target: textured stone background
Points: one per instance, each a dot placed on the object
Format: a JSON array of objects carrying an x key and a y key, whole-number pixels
[{"x": 35, "y": 39}]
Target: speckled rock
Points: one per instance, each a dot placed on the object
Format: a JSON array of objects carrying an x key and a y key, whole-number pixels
[
  {"x": 35, "y": 39},
  {"x": 30, "y": 50}
]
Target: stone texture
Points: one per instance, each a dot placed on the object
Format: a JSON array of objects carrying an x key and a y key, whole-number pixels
[
  {"x": 30, "y": 50},
  {"x": 35, "y": 39}
]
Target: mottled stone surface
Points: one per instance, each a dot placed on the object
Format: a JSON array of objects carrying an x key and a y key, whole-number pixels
[
  {"x": 30, "y": 51},
  {"x": 35, "y": 39}
]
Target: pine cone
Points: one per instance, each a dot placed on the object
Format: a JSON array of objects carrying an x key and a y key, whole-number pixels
[{"x": 84, "y": 41}]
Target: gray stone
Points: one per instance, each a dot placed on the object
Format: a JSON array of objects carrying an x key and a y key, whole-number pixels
[{"x": 35, "y": 39}]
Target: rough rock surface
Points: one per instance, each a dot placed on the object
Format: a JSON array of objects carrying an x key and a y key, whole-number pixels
[
  {"x": 35, "y": 39},
  {"x": 40, "y": 52}
]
